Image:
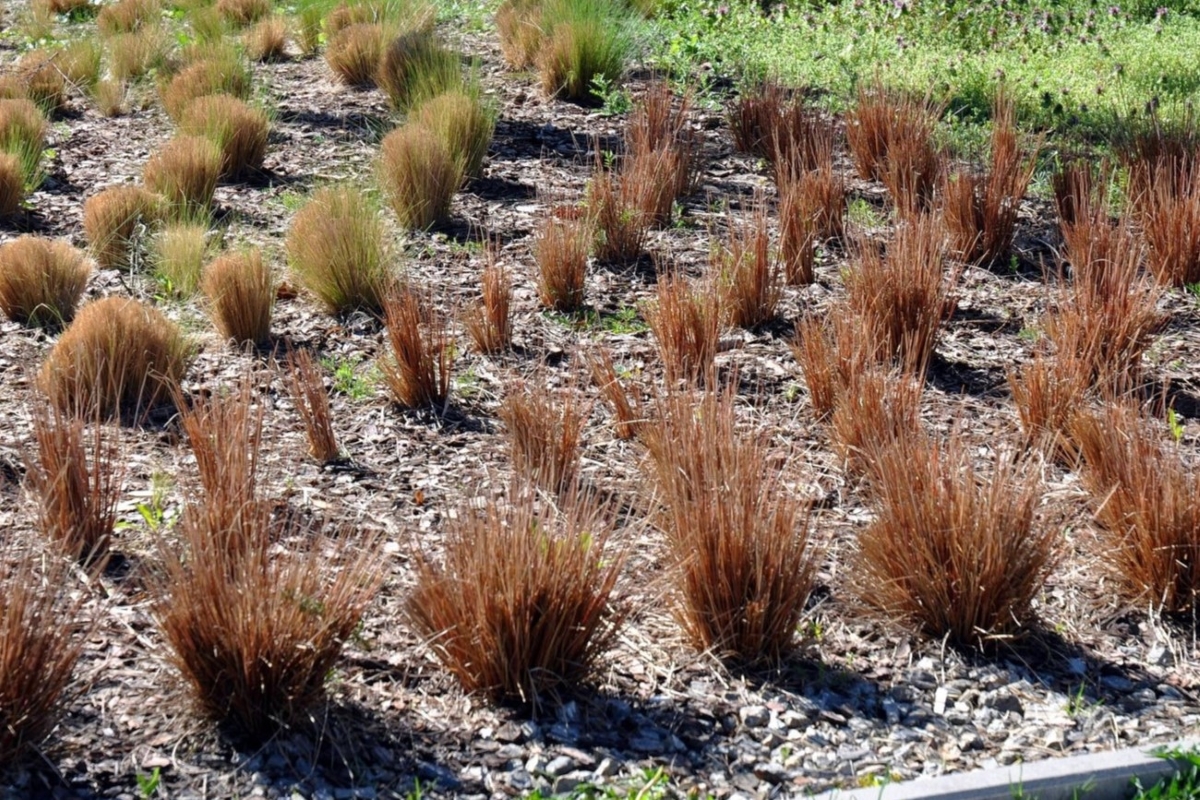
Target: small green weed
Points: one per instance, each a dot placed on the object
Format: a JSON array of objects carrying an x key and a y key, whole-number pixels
[
  {"x": 614, "y": 100},
  {"x": 861, "y": 213},
  {"x": 349, "y": 379},
  {"x": 1175, "y": 423},
  {"x": 148, "y": 784},
  {"x": 1183, "y": 785}
]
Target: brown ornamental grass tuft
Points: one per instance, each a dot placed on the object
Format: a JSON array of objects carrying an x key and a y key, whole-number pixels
[
  {"x": 126, "y": 16},
  {"x": 561, "y": 254},
  {"x": 418, "y": 374},
  {"x": 415, "y": 67},
  {"x": 749, "y": 272},
  {"x": 464, "y": 122},
  {"x": 489, "y": 323},
  {"x": 112, "y": 221},
  {"x": 419, "y": 175},
  {"x": 337, "y": 247},
  {"x": 980, "y": 211},
  {"x": 954, "y": 553},
  {"x": 518, "y": 23},
  {"x": 812, "y": 207},
  {"x": 1170, "y": 219},
  {"x": 222, "y": 72},
  {"x": 685, "y": 318},
  {"x": 521, "y": 604},
  {"x": 23, "y": 131},
  {"x": 119, "y": 358},
  {"x": 255, "y": 610},
  {"x": 41, "y": 281},
  {"x": 738, "y": 547},
  {"x": 243, "y": 12},
  {"x": 241, "y": 295},
  {"x": 626, "y": 408},
  {"x": 353, "y": 53},
  {"x": 312, "y": 404},
  {"x": 41, "y": 627},
  {"x": 267, "y": 40},
  {"x": 239, "y": 130},
  {"x": 1148, "y": 523},
  {"x": 545, "y": 428},
  {"x": 12, "y": 185},
  {"x": 77, "y": 478},
  {"x": 185, "y": 172}
]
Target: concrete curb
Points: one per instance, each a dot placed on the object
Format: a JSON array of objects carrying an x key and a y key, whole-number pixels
[{"x": 1095, "y": 776}]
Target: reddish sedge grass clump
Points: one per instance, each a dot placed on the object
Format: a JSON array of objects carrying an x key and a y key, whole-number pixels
[
  {"x": 561, "y": 253},
  {"x": 237, "y": 129},
  {"x": 626, "y": 409},
  {"x": 338, "y": 250},
  {"x": 1047, "y": 393},
  {"x": 544, "y": 432},
  {"x": 111, "y": 221},
  {"x": 1108, "y": 316},
  {"x": 418, "y": 375},
  {"x": 419, "y": 175},
  {"x": 881, "y": 118},
  {"x": 1147, "y": 518},
  {"x": 243, "y": 12},
  {"x": 41, "y": 281},
  {"x": 621, "y": 227},
  {"x": 1158, "y": 155},
  {"x": 980, "y": 211},
  {"x": 811, "y": 209},
  {"x": 23, "y": 131},
  {"x": 1170, "y": 219},
  {"x": 830, "y": 352},
  {"x": 749, "y": 272},
  {"x": 737, "y": 539},
  {"x": 518, "y": 24},
  {"x": 255, "y": 628},
  {"x": 686, "y": 321},
  {"x": 185, "y": 172},
  {"x": 661, "y": 149},
  {"x": 126, "y": 16},
  {"x": 120, "y": 357},
  {"x": 1080, "y": 195},
  {"x": 40, "y": 627},
  {"x": 312, "y": 404},
  {"x": 43, "y": 80},
  {"x": 489, "y": 323},
  {"x": 353, "y": 53},
  {"x": 903, "y": 296},
  {"x": 873, "y": 409},
  {"x": 241, "y": 295},
  {"x": 77, "y": 479},
  {"x": 522, "y": 604},
  {"x": 267, "y": 40},
  {"x": 953, "y": 553}
]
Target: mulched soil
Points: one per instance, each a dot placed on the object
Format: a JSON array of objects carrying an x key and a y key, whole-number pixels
[{"x": 862, "y": 702}]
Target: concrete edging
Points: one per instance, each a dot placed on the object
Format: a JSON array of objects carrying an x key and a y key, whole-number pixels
[{"x": 1103, "y": 776}]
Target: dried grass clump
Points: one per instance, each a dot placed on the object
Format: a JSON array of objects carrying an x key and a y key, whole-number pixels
[
  {"x": 241, "y": 294},
  {"x": 874, "y": 408},
  {"x": 773, "y": 122},
  {"x": 1108, "y": 316},
  {"x": 112, "y": 220},
  {"x": 582, "y": 40},
  {"x": 41, "y": 281},
  {"x": 12, "y": 185},
  {"x": 80, "y": 62},
  {"x": 127, "y": 16},
  {"x": 23, "y": 131},
  {"x": 953, "y": 553},
  {"x": 627, "y": 409},
  {"x": 1157, "y": 152},
  {"x": 66, "y": 7},
  {"x": 465, "y": 123},
  {"x": 903, "y": 296},
  {"x": 748, "y": 271},
  {"x": 77, "y": 480},
  {"x": 755, "y": 115},
  {"x": 185, "y": 172},
  {"x": 621, "y": 226},
  {"x": 518, "y": 23},
  {"x": 40, "y": 627},
  {"x": 43, "y": 80},
  {"x": 1080, "y": 195},
  {"x": 980, "y": 211},
  {"x": 406, "y": 15},
  {"x": 419, "y": 175},
  {"x": 132, "y": 55},
  {"x": 243, "y": 12},
  {"x": 561, "y": 252},
  {"x": 415, "y": 67},
  {"x": 1146, "y": 513},
  {"x": 661, "y": 147},
  {"x": 686, "y": 321},
  {"x": 109, "y": 97},
  {"x": 522, "y": 604},
  {"x": 418, "y": 375},
  {"x": 119, "y": 358},
  {"x": 337, "y": 247},
  {"x": 253, "y": 628},
  {"x": 267, "y": 40},
  {"x": 353, "y": 53},
  {"x": 1047, "y": 393},
  {"x": 221, "y": 73},
  {"x": 312, "y": 404},
  {"x": 812, "y": 207},
  {"x": 1170, "y": 218},
  {"x": 831, "y": 353},
  {"x": 489, "y": 323},
  {"x": 653, "y": 180},
  {"x": 882, "y": 118},
  {"x": 737, "y": 538},
  {"x": 238, "y": 129},
  {"x": 545, "y": 428}
]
